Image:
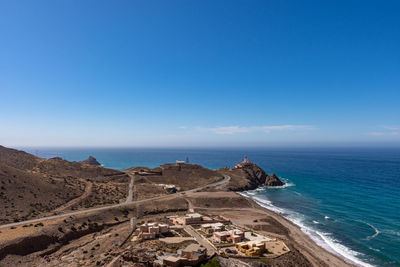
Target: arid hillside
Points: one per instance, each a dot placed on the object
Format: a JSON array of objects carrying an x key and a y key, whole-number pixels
[{"x": 30, "y": 186}]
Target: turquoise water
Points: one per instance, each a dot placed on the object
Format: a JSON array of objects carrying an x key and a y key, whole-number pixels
[{"x": 347, "y": 200}]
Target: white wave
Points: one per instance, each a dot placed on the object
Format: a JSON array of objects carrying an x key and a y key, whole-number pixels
[
  {"x": 286, "y": 181},
  {"x": 377, "y": 232},
  {"x": 264, "y": 203},
  {"x": 322, "y": 239},
  {"x": 342, "y": 250},
  {"x": 315, "y": 222},
  {"x": 281, "y": 186},
  {"x": 327, "y": 217},
  {"x": 391, "y": 232},
  {"x": 377, "y": 250}
]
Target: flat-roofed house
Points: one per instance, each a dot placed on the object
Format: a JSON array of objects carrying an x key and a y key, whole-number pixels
[
  {"x": 192, "y": 255},
  {"x": 151, "y": 230},
  {"x": 164, "y": 228},
  {"x": 154, "y": 229},
  {"x": 251, "y": 248},
  {"x": 193, "y": 218},
  {"x": 172, "y": 261},
  {"x": 193, "y": 251},
  {"x": 235, "y": 238},
  {"x": 210, "y": 228},
  {"x": 146, "y": 235},
  {"x": 221, "y": 236}
]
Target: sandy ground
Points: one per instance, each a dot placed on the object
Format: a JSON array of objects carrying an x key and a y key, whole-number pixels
[
  {"x": 241, "y": 211},
  {"x": 283, "y": 229},
  {"x": 88, "y": 191}
]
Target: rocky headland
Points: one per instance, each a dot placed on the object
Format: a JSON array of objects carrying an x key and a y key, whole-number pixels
[
  {"x": 83, "y": 235},
  {"x": 247, "y": 175}
]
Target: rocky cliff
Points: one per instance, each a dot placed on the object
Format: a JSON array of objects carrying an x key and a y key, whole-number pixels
[{"x": 249, "y": 176}]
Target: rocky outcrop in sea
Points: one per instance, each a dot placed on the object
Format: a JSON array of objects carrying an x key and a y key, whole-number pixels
[
  {"x": 273, "y": 180},
  {"x": 91, "y": 161}
]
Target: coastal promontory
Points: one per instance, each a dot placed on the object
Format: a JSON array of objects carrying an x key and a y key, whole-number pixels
[
  {"x": 247, "y": 175},
  {"x": 70, "y": 213}
]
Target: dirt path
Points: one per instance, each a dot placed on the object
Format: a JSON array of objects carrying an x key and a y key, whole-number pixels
[
  {"x": 130, "y": 193},
  {"x": 112, "y": 206},
  {"x": 86, "y": 194}
]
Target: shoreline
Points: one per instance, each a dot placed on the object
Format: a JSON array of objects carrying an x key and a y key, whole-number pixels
[{"x": 305, "y": 242}]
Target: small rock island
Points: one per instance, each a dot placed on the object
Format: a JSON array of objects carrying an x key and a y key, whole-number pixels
[{"x": 91, "y": 161}]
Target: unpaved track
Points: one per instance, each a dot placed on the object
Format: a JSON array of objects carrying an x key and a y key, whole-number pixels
[
  {"x": 86, "y": 194},
  {"x": 223, "y": 180},
  {"x": 130, "y": 193}
]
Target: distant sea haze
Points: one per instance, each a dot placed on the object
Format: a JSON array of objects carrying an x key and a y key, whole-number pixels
[{"x": 346, "y": 200}]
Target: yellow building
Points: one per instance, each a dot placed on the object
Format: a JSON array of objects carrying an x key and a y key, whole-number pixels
[{"x": 251, "y": 248}]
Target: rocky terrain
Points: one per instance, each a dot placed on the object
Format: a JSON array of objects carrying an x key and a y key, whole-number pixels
[
  {"x": 149, "y": 182},
  {"x": 91, "y": 161},
  {"x": 273, "y": 180},
  {"x": 32, "y": 186},
  {"x": 249, "y": 176}
]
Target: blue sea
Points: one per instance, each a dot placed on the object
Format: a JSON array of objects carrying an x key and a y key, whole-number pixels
[{"x": 347, "y": 200}]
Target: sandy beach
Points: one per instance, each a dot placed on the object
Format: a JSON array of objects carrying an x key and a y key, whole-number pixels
[{"x": 247, "y": 213}]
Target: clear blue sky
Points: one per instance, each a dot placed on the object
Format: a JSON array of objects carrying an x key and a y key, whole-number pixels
[{"x": 199, "y": 73}]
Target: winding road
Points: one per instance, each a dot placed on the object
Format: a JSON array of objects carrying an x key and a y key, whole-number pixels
[{"x": 224, "y": 180}]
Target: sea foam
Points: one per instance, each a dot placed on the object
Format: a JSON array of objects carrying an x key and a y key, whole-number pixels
[
  {"x": 377, "y": 232},
  {"x": 324, "y": 240}
]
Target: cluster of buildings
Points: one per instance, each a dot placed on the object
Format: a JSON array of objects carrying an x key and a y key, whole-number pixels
[
  {"x": 244, "y": 163},
  {"x": 189, "y": 256},
  {"x": 217, "y": 230},
  {"x": 151, "y": 230},
  {"x": 196, "y": 218},
  {"x": 234, "y": 236}
]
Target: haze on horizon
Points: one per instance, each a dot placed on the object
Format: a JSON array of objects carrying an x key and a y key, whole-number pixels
[{"x": 199, "y": 73}]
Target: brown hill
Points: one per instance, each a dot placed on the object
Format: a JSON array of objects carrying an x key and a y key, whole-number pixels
[
  {"x": 185, "y": 176},
  {"x": 24, "y": 194},
  {"x": 30, "y": 185},
  {"x": 149, "y": 181},
  {"x": 17, "y": 159}
]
